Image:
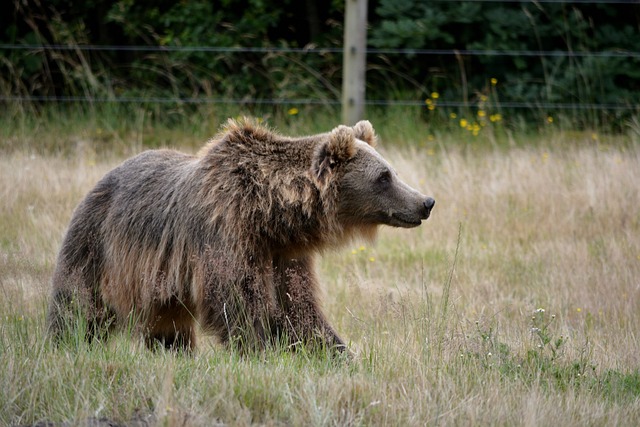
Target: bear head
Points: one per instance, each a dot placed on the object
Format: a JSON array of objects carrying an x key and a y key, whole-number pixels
[{"x": 369, "y": 191}]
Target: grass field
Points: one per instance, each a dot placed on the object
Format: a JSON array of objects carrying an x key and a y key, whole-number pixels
[{"x": 516, "y": 303}]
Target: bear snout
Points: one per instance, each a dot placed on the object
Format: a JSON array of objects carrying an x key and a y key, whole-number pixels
[{"x": 428, "y": 204}]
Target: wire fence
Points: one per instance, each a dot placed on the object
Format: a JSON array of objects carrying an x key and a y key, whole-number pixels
[
  {"x": 307, "y": 101},
  {"x": 320, "y": 50},
  {"x": 37, "y": 49}
]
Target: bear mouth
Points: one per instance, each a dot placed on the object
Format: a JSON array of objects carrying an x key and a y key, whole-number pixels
[{"x": 404, "y": 222}]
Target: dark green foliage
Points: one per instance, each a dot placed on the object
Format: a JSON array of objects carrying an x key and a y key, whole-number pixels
[
  {"x": 133, "y": 73},
  {"x": 517, "y": 27},
  {"x": 534, "y": 81}
]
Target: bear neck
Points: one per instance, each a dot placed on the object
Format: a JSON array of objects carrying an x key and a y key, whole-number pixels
[{"x": 276, "y": 204}]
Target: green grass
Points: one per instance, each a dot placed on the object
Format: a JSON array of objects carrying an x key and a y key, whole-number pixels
[
  {"x": 124, "y": 129},
  {"x": 441, "y": 318}
]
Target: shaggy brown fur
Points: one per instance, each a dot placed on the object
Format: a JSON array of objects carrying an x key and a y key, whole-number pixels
[{"x": 225, "y": 239}]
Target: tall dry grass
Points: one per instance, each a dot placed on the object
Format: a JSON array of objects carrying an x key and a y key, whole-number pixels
[
  {"x": 553, "y": 226},
  {"x": 547, "y": 227}
]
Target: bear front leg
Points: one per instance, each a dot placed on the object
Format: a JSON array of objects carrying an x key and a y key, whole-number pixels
[
  {"x": 172, "y": 325},
  {"x": 238, "y": 303},
  {"x": 301, "y": 317}
]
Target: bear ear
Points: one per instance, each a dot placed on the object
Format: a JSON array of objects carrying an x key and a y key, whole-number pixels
[
  {"x": 340, "y": 147},
  {"x": 364, "y": 132}
]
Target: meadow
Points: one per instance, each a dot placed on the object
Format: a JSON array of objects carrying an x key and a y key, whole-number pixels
[{"x": 516, "y": 303}]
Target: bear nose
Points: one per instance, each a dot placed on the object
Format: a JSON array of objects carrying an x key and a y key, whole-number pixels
[{"x": 429, "y": 203}]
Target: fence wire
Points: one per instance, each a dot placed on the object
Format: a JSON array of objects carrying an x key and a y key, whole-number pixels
[
  {"x": 321, "y": 50},
  {"x": 39, "y": 48},
  {"x": 308, "y": 101}
]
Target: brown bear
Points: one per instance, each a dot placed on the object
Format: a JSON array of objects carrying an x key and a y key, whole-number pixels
[{"x": 225, "y": 239}]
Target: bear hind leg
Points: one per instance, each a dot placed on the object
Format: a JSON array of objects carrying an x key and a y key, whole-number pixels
[
  {"x": 72, "y": 315},
  {"x": 60, "y": 315}
]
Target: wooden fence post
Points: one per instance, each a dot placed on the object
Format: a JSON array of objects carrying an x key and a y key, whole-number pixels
[{"x": 354, "y": 61}]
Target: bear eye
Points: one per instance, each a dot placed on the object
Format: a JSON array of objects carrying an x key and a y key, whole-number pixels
[{"x": 384, "y": 177}]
